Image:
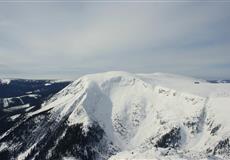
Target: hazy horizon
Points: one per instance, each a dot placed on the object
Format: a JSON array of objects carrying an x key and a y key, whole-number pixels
[{"x": 67, "y": 39}]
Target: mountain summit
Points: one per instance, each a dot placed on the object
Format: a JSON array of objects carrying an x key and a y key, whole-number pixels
[{"x": 120, "y": 115}]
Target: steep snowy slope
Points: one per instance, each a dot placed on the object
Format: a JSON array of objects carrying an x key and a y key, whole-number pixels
[{"x": 119, "y": 115}]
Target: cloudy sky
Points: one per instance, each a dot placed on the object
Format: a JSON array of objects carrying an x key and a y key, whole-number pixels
[{"x": 66, "y": 39}]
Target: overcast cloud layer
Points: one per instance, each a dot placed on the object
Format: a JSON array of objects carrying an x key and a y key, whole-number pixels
[{"x": 68, "y": 39}]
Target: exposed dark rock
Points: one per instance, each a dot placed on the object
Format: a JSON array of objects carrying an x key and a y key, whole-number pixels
[
  {"x": 170, "y": 139},
  {"x": 223, "y": 147},
  {"x": 215, "y": 130}
]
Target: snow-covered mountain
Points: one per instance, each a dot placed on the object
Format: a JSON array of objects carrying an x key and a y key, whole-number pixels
[{"x": 119, "y": 115}]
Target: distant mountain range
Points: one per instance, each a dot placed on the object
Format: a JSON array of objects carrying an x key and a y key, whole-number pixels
[
  {"x": 219, "y": 81},
  {"x": 19, "y": 97}
]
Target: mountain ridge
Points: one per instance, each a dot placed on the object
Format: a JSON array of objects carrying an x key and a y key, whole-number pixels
[{"x": 138, "y": 116}]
